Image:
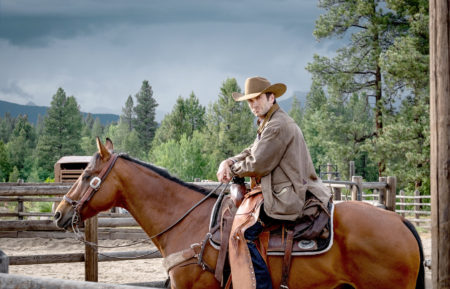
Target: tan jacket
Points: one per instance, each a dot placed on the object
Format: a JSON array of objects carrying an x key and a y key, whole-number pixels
[{"x": 281, "y": 158}]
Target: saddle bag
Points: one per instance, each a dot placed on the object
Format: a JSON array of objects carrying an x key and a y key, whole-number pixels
[{"x": 312, "y": 224}]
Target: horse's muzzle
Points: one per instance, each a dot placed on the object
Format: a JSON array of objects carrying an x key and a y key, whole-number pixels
[{"x": 63, "y": 221}]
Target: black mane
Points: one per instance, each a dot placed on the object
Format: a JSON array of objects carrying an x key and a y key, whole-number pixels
[{"x": 165, "y": 174}]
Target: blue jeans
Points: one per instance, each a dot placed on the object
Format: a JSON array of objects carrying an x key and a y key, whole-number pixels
[{"x": 262, "y": 275}]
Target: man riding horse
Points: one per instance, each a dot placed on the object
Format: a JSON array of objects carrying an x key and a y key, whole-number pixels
[{"x": 279, "y": 165}]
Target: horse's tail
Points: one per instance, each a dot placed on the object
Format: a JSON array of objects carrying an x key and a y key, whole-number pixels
[{"x": 420, "y": 283}]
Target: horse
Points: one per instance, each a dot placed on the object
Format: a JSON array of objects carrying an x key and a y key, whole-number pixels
[{"x": 372, "y": 247}]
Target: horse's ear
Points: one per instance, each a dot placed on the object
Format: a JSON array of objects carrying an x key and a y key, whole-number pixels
[
  {"x": 102, "y": 150},
  {"x": 109, "y": 145}
]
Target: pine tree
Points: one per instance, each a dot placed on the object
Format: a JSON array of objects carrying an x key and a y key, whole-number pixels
[
  {"x": 229, "y": 126},
  {"x": 356, "y": 68},
  {"x": 186, "y": 117},
  {"x": 7, "y": 125},
  {"x": 61, "y": 133},
  {"x": 127, "y": 116},
  {"x": 296, "y": 111},
  {"x": 14, "y": 175},
  {"x": 145, "y": 123},
  {"x": 336, "y": 128},
  {"x": 5, "y": 164},
  {"x": 21, "y": 145}
]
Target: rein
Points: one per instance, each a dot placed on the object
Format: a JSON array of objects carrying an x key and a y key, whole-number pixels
[{"x": 94, "y": 186}]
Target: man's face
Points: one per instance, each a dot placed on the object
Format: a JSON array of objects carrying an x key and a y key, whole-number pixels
[{"x": 260, "y": 105}]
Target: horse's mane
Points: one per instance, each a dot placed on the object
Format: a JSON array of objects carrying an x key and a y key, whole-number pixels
[{"x": 165, "y": 174}]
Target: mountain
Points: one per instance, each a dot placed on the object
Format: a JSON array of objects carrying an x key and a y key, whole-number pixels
[
  {"x": 33, "y": 111},
  {"x": 286, "y": 104}
]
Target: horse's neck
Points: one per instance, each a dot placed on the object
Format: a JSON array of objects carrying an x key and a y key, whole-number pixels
[{"x": 156, "y": 203}]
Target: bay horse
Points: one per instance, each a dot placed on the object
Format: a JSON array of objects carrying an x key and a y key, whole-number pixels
[{"x": 372, "y": 247}]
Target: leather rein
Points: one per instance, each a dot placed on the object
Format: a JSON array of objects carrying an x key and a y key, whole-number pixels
[{"x": 94, "y": 186}]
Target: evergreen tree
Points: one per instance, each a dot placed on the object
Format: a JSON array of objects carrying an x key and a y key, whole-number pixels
[
  {"x": 14, "y": 176},
  {"x": 184, "y": 158},
  {"x": 336, "y": 128},
  {"x": 145, "y": 123},
  {"x": 356, "y": 68},
  {"x": 296, "y": 111},
  {"x": 124, "y": 140},
  {"x": 39, "y": 125},
  {"x": 313, "y": 115},
  {"x": 61, "y": 134},
  {"x": 21, "y": 145},
  {"x": 92, "y": 129},
  {"x": 5, "y": 164},
  {"x": 7, "y": 125},
  {"x": 127, "y": 116},
  {"x": 405, "y": 143},
  {"x": 186, "y": 117},
  {"x": 97, "y": 128},
  {"x": 229, "y": 127}
]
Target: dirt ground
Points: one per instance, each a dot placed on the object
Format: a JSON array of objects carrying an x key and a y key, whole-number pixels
[{"x": 119, "y": 272}]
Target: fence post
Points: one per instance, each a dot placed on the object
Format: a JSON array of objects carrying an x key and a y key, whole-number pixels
[
  {"x": 351, "y": 169},
  {"x": 391, "y": 193},
  {"x": 358, "y": 181},
  {"x": 4, "y": 262},
  {"x": 337, "y": 191},
  {"x": 402, "y": 200},
  {"x": 417, "y": 207},
  {"x": 382, "y": 194},
  {"x": 19, "y": 208},
  {"x": 91, "y": 256}
]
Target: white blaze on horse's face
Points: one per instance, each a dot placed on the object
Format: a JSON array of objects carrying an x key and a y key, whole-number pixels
[{"x": 64, "y": 212}]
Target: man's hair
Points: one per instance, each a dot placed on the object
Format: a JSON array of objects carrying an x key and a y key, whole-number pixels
[{"x": 268, "y": 96}]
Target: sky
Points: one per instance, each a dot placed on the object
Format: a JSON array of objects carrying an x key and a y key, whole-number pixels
[{"x": 100, "y": 51}]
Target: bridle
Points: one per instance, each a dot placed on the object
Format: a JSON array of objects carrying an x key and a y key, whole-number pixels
[{"x": 94, "y": 186}]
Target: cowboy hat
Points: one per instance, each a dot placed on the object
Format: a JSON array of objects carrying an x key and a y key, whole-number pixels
[{"x": 255, "y": 86}]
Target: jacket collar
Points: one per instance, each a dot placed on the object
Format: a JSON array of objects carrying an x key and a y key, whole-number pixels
[{"x": 269, "y": 114}]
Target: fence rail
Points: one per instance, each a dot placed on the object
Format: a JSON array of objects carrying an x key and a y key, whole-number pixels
[
  {"x": 27, "y": 282},
  {"x": 113, "y": 225}
]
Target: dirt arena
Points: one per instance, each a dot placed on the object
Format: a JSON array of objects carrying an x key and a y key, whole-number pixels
[{"x": 120, "y": 272}]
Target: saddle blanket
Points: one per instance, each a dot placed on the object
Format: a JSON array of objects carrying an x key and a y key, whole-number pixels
[
  {"x": 302, "y": 247},
  {"x": 276, "y": 240}
]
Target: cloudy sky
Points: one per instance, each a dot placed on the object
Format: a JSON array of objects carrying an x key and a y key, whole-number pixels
[{"x": 100, "y": 51}]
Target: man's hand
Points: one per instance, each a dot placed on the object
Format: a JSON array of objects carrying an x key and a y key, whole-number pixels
[{"x": 224, "y": 174}]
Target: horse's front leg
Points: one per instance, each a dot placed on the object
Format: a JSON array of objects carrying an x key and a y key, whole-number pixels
[{"x": 192, "y": 276}]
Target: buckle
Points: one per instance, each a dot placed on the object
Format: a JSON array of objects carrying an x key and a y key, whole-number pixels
[{"x": 95, "y": 183}]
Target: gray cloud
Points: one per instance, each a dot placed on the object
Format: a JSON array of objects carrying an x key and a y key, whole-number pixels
[
  {"x": 23, "y": 22},
  {"x": 12, "y": 88},
  {"x": 101, "y": 51}
]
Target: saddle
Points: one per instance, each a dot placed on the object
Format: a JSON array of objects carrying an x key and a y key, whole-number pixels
[{"x": 312, "y": 234}]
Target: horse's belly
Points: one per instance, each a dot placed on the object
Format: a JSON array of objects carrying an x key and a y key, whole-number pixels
[{"x": 372, "y": 249}]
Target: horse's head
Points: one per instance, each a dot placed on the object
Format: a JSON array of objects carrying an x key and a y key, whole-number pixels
[{"x": 90, "y": 194}]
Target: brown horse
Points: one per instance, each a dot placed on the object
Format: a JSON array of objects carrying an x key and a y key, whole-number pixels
[{"x": 372, "y": 248}]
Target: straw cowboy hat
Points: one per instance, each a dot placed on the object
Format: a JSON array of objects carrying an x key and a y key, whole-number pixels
[{"x": 255, "y": 86}]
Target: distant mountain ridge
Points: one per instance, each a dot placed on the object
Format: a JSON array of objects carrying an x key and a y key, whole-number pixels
[
  {"x": 286, "y": 103},
  {"x": 33, "y": 111}
]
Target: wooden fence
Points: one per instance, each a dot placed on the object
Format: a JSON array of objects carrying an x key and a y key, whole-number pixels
[
  {"x": 415, "y": 208},
  {"x": 122, "y": 226},
  {"x": 27, "y": 282}
]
